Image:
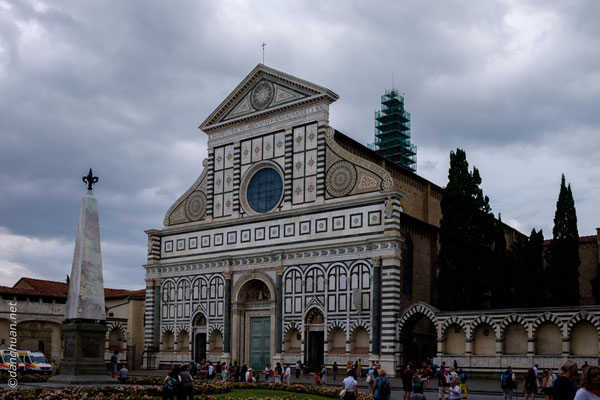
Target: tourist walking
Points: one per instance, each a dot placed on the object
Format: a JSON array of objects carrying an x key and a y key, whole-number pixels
[
  {"x": 171, "y": 384},
  {"x": 508, "y": 383},
  {"x": 370, "y": 377},
  {"x": 564, "y": 387},
  {"x": 269, "y": 373},
  {"x": 187, "y": 384},
  {"x": 349, "y": 387},
  {"x": 443, "y": 377},
  {"x": 453, "y": 389},
  {"x": 463, "y": 381},
  {"x": 530, "y": 384},
  {"x": 211, "y": 371},
  {"x": 298, "y": 368},
  {"x": 334, "y": 369},
  {"x": 407, "y": 381},
  {"x": 429, "y": 373},
  {"x": 590, "y": 384},
  {"x": 323, "y": 375},
  {"x": 547, "y": 383},
  {"x": 243, "y": 370},
  {"x": 203, "y": 370},
  {"x": 382, "y": 388},
  {"x": 278, "y": 372},
  {"x": 287, "y": 375},
  {"x": 417, "y": 381},
  {"x": 114, "y": 359}
]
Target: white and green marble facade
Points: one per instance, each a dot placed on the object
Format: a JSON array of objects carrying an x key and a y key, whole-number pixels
[{"x": 316, "y": 258}]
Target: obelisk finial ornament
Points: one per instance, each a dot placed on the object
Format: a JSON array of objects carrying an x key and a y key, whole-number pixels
[{"x": 90, "y": 179}]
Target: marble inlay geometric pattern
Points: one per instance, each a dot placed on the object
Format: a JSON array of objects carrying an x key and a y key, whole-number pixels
[{"x": 340, "y": 179}]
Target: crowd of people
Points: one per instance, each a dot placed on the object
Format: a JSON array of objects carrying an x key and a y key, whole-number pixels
[
  {"x": 568, "y": 384},
  {"x": 451, "y": 381}
]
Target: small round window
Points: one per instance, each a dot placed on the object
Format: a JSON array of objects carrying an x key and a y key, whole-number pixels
[{"x": 264, "y": 190}]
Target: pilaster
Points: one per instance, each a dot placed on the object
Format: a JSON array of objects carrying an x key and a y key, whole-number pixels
[{"x": 376, "y": 316}]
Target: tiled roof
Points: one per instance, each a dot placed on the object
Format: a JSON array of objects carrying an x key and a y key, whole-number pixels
[
  {"x": 41, "y": 287},
  {"x": 29, "y": 292},
  {"x": 592, "y": 238}
]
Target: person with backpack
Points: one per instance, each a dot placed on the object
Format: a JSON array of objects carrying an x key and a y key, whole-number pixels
[
  {"x": 382, "y": 388},
  {"x": 508, "y": 383},
  {"x": 171, "y": 384}
]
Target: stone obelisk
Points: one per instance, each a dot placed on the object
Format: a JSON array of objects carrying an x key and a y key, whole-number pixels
[{"x": 84, "y": 327}]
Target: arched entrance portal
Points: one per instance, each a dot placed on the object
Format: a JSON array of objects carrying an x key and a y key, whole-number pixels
[
  {"x": 254, "y": 321},
  {"x": 315, "y": 329},
  {"x": 418, "y": 337},
  {"x": 199, "y": 332}
]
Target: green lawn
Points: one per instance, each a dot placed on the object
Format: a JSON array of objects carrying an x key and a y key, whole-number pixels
[{"x": 262, "y": 393}]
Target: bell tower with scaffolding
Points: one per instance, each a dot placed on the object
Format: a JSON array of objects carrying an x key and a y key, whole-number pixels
[{"x": 392, "y": 131}]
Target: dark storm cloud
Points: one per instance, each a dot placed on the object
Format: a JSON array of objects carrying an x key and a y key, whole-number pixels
[{"x": 122, "y": 86}]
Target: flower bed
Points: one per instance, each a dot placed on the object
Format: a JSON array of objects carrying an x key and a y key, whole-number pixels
[
  {"x": 151, "y": 387},
  {"x": 4, "y": 377},
  {"x": 88, "y": 393}
]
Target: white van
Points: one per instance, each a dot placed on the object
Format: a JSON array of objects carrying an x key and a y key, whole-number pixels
[
  {"x": 35, "y": 361},
  {"x": 6, "y": 360}
]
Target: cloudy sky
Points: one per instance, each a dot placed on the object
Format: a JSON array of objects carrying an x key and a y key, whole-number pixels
[{"x": 121, "y": 87}]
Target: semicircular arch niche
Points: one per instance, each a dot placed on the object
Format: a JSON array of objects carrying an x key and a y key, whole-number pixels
[
  {"x": 254, "y": 291},
  {"x": 340, "y": 179}
]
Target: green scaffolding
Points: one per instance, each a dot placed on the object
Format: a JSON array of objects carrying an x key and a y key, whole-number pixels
[{"x": 392, "y": 131}]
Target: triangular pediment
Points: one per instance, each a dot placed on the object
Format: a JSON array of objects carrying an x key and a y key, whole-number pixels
[{"x": 263, "y": 92}]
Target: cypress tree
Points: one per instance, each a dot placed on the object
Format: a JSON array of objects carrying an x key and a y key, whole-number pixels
[
  {"x": 563, "y": 256},
  {"x": 502, "y": 288},
  {"x": 466, "y": 238},
  {"x": 526, "y": 259}
]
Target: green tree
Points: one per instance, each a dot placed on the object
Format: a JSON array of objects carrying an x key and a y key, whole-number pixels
[
  {"x": 562, "y": 259},
  {"x": 466, "y": 239},
  {"x": 502, "y": 292},
  {"x": 527, "y": 265}
]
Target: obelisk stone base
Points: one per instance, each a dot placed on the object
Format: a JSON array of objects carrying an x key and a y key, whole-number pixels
[{"x": 83, "y": 346}]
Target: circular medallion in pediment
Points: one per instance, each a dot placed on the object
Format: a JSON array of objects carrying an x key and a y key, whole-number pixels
[
  {"x": 340, "y": 179},
  {"x": 262, "y": 95},
  {"x": 195, "y": 206}
]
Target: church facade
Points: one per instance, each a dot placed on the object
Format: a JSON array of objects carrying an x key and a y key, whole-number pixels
[
  {"x": 294, "y": 242},
  {"x": 298, "y": 243}
]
